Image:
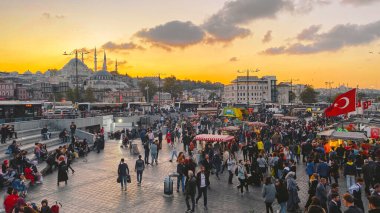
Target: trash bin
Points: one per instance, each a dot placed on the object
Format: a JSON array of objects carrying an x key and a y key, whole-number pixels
[{"x": 168, "y": 186}]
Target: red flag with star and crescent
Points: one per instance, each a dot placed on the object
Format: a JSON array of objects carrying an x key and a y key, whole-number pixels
[{"x": 343, "y": 104}]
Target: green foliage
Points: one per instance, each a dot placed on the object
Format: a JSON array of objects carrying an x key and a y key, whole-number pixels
[
  {"x": 152, "y": 88},
  {"x": 208, "y": 85},
  {"x": 173, "y": 86},
  {"x": 309, "y": 95},
  {"x": 89, "y": 95}
]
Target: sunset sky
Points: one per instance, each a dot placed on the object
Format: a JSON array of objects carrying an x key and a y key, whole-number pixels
[{"x": 311, "y": 40}]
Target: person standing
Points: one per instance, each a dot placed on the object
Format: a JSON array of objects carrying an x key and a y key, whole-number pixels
[
  {"x": 356, "y": 191},
  {"x": 281, "y": 195},
  {"x": 217, "y": 162},
  {"x": 348, "y": 202},
  {"x": 181, "y": 174},
  {"x": 146, "y": 152},
  {"x": 294, "y": 200},
  {"x": 231, "y": 168},
  {"x": 73, "y": 128},
  {"x": 191, "y": 185},
  {"x": 350, "y": 173},
  {"x": 123, "y": 171},
  {"x": 62, "y": 170},
  {"x": 202, "y": 182},
  {"x": 321, "y": 193},
  {"x": 139, "y": 168},
  {"x": 160, "y": 140},
  {"x": 154, "y": 152},
  {"x": 242, "y": 174},
  {"x": 269, "y": 194},
  {"x": 174, "y": 151},
  {"x": 4, "y": 133},
  {"x": 334, "y": 206}
]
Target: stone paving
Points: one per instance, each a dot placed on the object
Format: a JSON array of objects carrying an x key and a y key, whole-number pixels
[{"x": 93, "y": 187}]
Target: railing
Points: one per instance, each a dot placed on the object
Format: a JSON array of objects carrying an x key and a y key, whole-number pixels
[{"x": 85, "y": 135}]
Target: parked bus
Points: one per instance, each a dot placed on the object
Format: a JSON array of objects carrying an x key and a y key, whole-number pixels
[{"x": 13, "y": 111}]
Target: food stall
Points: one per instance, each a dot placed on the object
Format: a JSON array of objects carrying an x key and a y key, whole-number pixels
[
  {"x": 229, "y": 130},
  {"x": 336, "y": 138}
]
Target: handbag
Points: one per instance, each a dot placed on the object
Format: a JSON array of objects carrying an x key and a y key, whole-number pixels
[
  {"x": 118, "y": 179},
  {"x": 128, "y": 179}
]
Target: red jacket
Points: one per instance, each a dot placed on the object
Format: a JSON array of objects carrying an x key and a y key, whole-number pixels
[{"x": 10, "y": 202}]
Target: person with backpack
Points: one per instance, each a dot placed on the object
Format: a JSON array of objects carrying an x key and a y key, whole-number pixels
[
  {"x": 123, "y": 172},
  {"x": 139, "y": 168}
]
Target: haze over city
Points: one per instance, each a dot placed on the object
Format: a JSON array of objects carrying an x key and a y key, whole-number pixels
[{"x": 311, "y": 40}]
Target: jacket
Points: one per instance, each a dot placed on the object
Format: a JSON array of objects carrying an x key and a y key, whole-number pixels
[
  {"x": 349, "y": 169},
  {"x": 140, "y": 165},
  {"x": 199, "y": 179},
  {"x": 321, "y": 193},
  {"x": 353, "y": 209},
  {"x": 269, "y": 193},
  {"x": 282, "y": 194},
  {"x": 334, "y": 208},
  {"x": 181, "y": 169},
  {"x": 123, "y": 169},
  {"x": 190, "y": 187},
  {"x": 323, "y": 169},
  {"x": 310, "y": 168}
]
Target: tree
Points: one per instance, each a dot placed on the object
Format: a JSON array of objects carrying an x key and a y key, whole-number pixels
[
  {"x": 173, "y": 86},
  {"x": 152, "y": 88},
  {"x": 309, "y": 95},
  {"x": 89, "y": 95},
  {"x": 70, "y": 95}
]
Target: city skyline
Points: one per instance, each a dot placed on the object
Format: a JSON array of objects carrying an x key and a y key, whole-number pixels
[{"x": 314, "y": 41}]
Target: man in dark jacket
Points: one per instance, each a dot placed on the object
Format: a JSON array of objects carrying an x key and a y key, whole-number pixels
[
  {"x": 323, "y": 169},
  {"x": 348, "y": 201},
  {"x": 368, "y": 173},
  {"x": 202, "y": 182},
  {"x": 333, "y": 205},
  {"x": 123, "y": 171},
  {"x": 181, "y": 167},
  {"x": 321, "y": 193},
  {"x": 191, "y": 185},
  {"x": 350, "y": 173},
  {"x": 139, "y": 168}
]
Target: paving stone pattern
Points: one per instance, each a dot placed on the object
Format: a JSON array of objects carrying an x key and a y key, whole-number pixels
[{"x": 93, "y": 187}]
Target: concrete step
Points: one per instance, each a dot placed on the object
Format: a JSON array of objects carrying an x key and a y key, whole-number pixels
[
  {"x": 28, "y": 132},
  {"x": 30, "y": 148},
  {"x": 27, "y": 140}
]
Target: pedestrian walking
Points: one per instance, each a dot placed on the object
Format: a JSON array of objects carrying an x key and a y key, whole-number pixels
[
  {"x": 154, "y": 152},
  {"x": 202, "y": 182},
  {"x": 123, "y": 172},
  {"x": 231, "y": 168},
  {"x": 191, "y": 185},
  {"x": 242, "y": 175},
  {"x": 269, "y": 194},
  {"x": 62, "y": 170},
  {"x": 282, "y": 195},
  {"x": 139, "y": 168}
]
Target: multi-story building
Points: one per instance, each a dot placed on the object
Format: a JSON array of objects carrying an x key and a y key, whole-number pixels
[
  {"x": 163, "y": 98},
  {"x": 7, "y": 90},
  {"x": 252, "y": 90},
  {"x": 22, "y": 92}
]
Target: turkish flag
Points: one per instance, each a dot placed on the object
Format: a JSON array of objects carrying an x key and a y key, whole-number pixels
[
  {"x": 343, "y": 104},
  {"x": 365, "y": 105},
  {"x": 359, "y": 104},
  {"x": 369, "y": 103},
  {"x": 375, "y": 133}
]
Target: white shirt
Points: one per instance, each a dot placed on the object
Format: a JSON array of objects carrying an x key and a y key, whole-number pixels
[{"x": 203, "y": 180}]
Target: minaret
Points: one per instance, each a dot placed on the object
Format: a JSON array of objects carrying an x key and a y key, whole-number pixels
[
  {"x": 105, "y": 62},
  {"x": 95, "y": 61},
  {"x": 116, "y": 66}
]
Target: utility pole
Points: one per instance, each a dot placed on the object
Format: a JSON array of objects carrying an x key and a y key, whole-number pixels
[
  {"x": 248, "y": 71},
  {"x": 147, "y": 93},
  {"x": 75, "y": 52},
  {"x": 329, "y": 83}
]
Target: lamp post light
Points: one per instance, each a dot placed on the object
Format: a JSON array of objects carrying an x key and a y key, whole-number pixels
[
  {"x": 248, "y": 71},
  {"x": 76, "y": 70}
]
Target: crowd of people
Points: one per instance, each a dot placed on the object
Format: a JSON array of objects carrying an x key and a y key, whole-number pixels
[{"x": 267, "y": 156}]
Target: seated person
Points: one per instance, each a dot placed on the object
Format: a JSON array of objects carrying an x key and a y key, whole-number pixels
[
  {"x": 19, "y": 185},
  {"x": 64, "y": 135},
  {"x": 46, "y": 135},
  {"x": 8, "y": 173},
  {"x": 13, "y": 148}
]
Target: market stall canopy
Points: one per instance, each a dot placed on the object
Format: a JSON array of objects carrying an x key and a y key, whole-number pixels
[
  {"x": 278, "y": 115},
  {"x": 232, "y": 112},
  {"x": 208, "y": 111},
  {"x": 214, "y": 138},
  {"x": 357, "y": 136},
  {"x": 291, "y": 118},
  {"x": 256, "y": 124},
  {"x": 230, "y": 128}
]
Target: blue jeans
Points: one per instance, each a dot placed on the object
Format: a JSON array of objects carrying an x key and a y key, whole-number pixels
[
  {"x": 139, "y": 176},
  {"x": 283, "y": 207},
  {"x": 174, "y": 153},
  {"x": 350, "y": 180},
  {"x": 181, "y": 178},
  {"x": 123, "y": 181}
]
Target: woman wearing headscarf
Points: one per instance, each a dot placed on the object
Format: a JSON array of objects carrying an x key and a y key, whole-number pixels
[{"x": 292, "y": 186}]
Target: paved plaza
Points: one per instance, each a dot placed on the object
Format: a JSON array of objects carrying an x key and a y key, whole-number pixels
[{"x": 93, "y": 187}]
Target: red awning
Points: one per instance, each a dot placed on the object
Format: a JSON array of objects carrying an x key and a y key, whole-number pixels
[{"x": 214, "y": 138}]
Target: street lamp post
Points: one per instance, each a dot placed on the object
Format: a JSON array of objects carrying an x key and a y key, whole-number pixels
[
  {"x": 76, "y": 70},
  {"x": 147, "y": 93},
  {"x": 291, "y": 89},
  {"x": 248, "y": 71}
]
